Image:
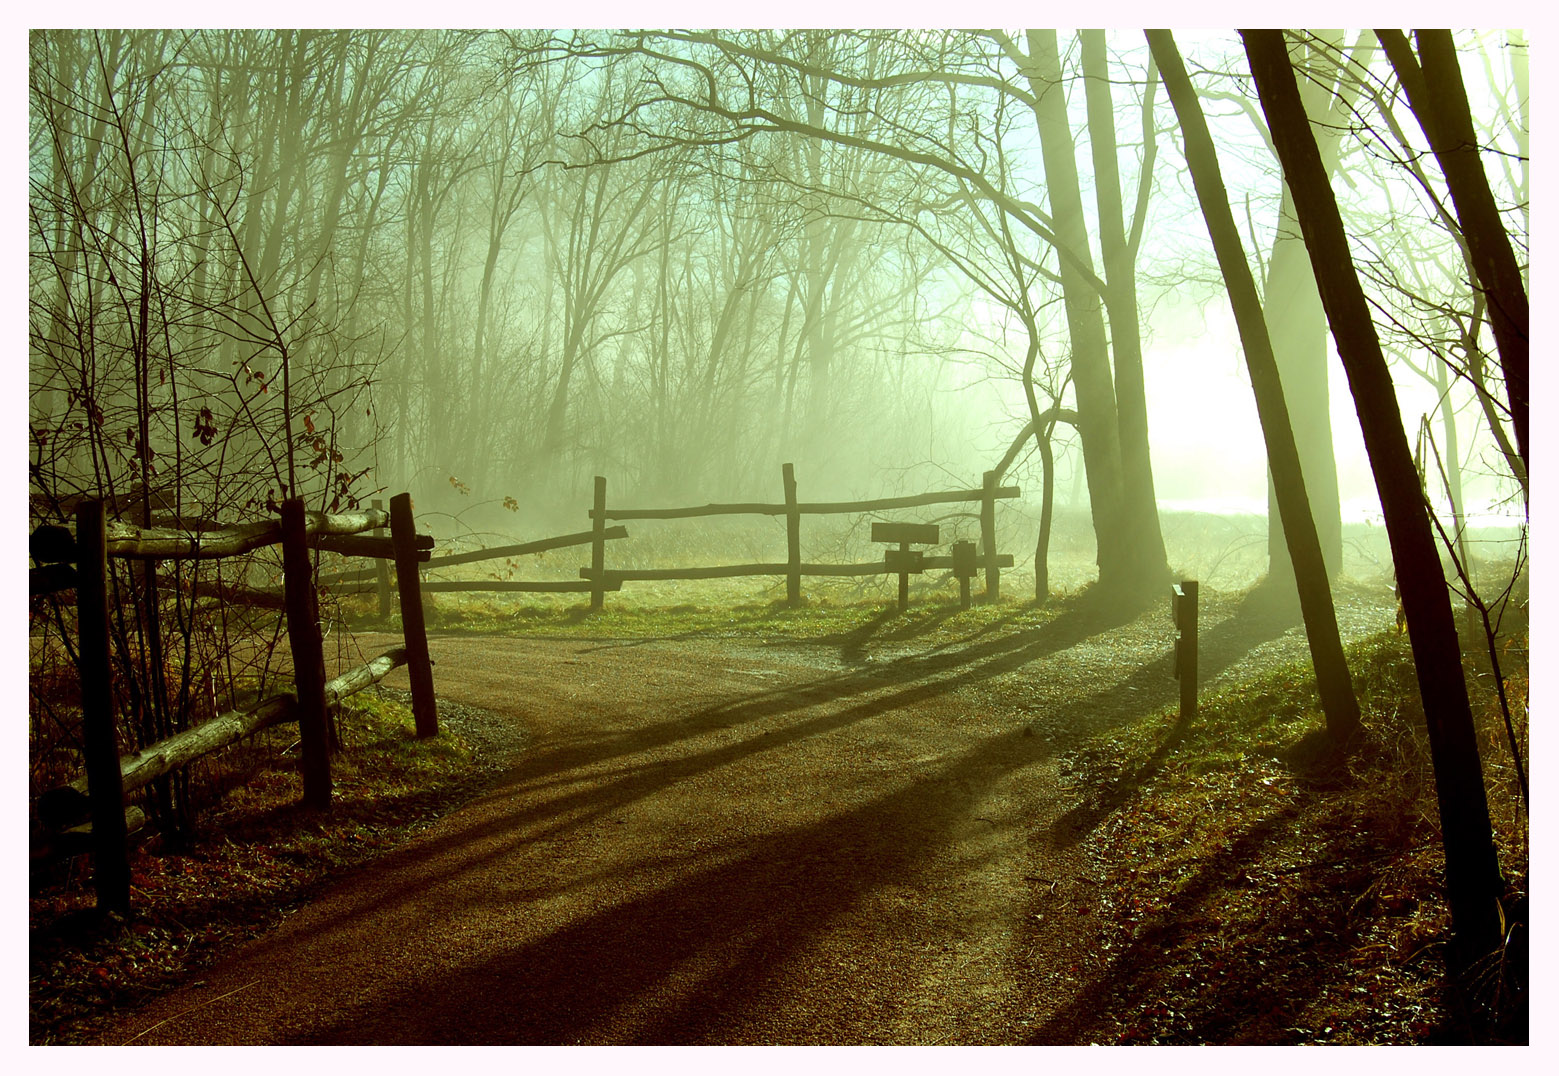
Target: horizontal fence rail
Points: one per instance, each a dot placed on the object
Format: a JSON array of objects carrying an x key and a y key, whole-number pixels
[
  {"x": 67, "y": 805},
  {"x": 338, "y": 532},
  {"x": 541, "y": 545},
  {"x": 125, "y": 540},
  {"x": 882, "y": 504},
  {"x": 734, "y": 571},
  {"x": 79, "y": 560},
  {"x": 512, "y": 586},
  {"x": 597, "y": 579}
]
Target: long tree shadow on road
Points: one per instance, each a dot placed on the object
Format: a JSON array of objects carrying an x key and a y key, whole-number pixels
[
  {"x": 1254, "y": 988},
  {"x": 736, "y": 935},
  {"x": 577, "y": 764},
  {"x": 715, "y": 951}
]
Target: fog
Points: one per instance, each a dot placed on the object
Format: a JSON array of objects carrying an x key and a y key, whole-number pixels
[{"x": 485, "y": 267}]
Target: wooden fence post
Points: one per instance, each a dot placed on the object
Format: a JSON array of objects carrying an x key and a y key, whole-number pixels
[
  {"x": 988, "y": 536},
  {"x": 598, "y": 547},
  {"x": 308, "y": 658},
  {"x": 964, "y": 561},
  {"x": 110, "y": 862},
  {"x": 403, "y": 534},
  {"x": 381, "y": 572},
  {"x": 792, "y": 538},
  {"x": 1185, "y": 615},
  {"x": 903, "y": 577}
]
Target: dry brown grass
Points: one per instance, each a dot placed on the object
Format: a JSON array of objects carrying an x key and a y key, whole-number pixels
[{"x": 1259, "y": 895}]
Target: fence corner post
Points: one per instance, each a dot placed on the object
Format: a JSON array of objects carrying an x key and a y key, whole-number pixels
[
  {"x": 598, "y": 547},
  {"x": 381, "y": 571},
  {"x": 105, "y": 788},
  {"x": 308, "y": 658},
  {"x": 988, "y": 536},
  {"x": 792, "y": 538},
  {"x": 403, "y": 535}
]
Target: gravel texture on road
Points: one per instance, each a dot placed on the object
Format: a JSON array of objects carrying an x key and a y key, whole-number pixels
[{"x": 727, "y": 842}]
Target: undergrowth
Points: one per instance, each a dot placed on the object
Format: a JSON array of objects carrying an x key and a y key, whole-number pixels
[
  {"x": 257, "y": 854},
  {"x": 1256, "y": 890}
]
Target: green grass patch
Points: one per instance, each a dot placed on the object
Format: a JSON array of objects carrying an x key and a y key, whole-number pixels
[{"x": 932, "y": 620}]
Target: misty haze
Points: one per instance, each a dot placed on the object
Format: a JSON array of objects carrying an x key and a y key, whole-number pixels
[{"x": 778, "y": 537}]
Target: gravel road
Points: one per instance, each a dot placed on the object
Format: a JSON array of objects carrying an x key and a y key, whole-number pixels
[{"x": 690, "y": 842}]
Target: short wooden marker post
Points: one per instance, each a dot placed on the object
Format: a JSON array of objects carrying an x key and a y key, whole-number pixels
[
  {"x": 1182, "y": 607},
  {"x": 598, "y": 547},
  {"x": 100, "y": 742},
  {"x": 792, "y": 538},
  {"x": 403, "y": 533},
  {"x": 904, "y": 560},
  {"x": 308, "y": 658},
  {"x": 965, "y": 564}
]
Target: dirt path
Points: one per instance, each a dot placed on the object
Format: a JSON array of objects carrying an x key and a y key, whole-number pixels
[{"x": 702, "y": 844}]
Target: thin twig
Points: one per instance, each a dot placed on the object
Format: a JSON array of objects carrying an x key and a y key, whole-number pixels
[{"x": 189, "y": 1010}]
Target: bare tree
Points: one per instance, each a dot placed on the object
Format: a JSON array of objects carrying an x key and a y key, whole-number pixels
[
  {"x": 1473, "y": 882},
  {"x": 131, "y": 320},
  {"x": 711, "y": 89},
  {"x": 1432, "y": 80},
  {"x": 1315, "y": 597}
]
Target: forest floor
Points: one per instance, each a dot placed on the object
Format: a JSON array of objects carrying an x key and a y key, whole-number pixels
[{"x": 935, "y": 827}]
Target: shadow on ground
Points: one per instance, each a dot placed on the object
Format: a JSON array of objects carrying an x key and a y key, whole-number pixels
[{"x": 726, "y": 944}]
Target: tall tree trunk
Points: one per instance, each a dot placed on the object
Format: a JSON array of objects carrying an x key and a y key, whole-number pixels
[
  {"x": 1473, "y": 883},
  {"x": 1315, "y": 596},
  {"x": 1097, "y": 422},
  {"x": 1296, "y": 324},
  {"x": 1453, "y": 465},
  {"x": 1140, "y": 503}
]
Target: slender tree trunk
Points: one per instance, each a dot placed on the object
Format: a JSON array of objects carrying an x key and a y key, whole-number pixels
[
  {"x": 1521, "y": 122},
  {"x": 1041, "y": 426},
  {"x": 1453, "y": 465},
  {"x": 1315, "y": 596},
  {"x": 1473, "y": 883},
  {"x": 1047, "y": 505},
  {"x": 1433, "y": 81},
  {"x": 1296, "y": 324},
  {"x": 434, "y": 391},
  {"x": 1297, "y": 327}
]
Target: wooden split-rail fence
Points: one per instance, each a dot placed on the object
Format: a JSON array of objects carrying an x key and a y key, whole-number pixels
[
  {"x": 965, "y": 560},
  {"x": 79, "y": 561}
]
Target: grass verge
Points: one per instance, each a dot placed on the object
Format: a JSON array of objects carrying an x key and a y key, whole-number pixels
[{"x": 1255, "y": 890}]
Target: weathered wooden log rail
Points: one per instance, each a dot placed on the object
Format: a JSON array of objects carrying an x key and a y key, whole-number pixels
[
  {"x": 541, "y": 545},
  {"x": 734, "y": 571},
  {"x": 332, "y": 532},
  {"x": 66, "y": 806},
  {"x": 603, "y": 579},
  {"x": 597, "y": 579},
  {"x": 80, "y": 561}
]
